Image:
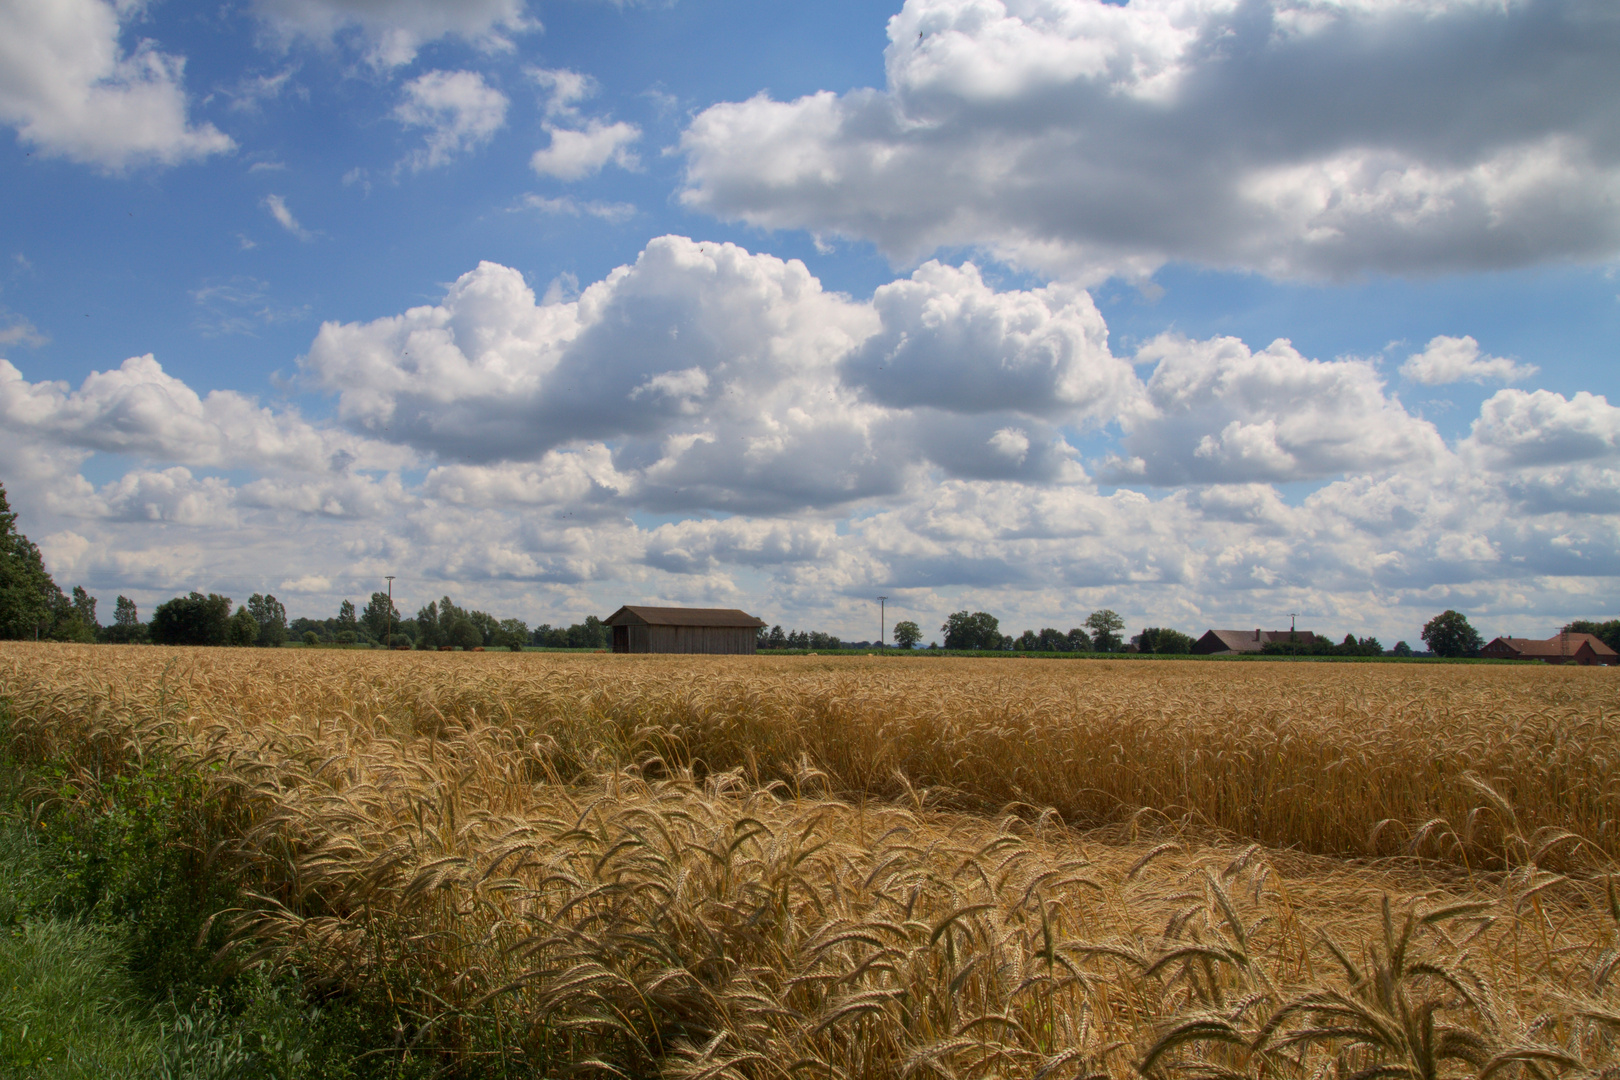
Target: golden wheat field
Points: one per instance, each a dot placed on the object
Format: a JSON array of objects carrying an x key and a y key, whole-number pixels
[{"x": 891, "y": 867}]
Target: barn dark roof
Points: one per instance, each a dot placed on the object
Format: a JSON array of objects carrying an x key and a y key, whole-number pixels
[
  {"x": 1250, "y": 641},
  {"x": 681, "y": 616}
]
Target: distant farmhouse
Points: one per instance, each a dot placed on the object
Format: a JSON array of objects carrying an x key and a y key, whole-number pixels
[
  {"x": 1562, "y": 648},
  {"x": 1216, "y": 642},
  {"x": 725, "y": 631}
]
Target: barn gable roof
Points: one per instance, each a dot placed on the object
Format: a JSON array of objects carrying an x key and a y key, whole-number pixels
[
  {"x": 1554, "y": 646},
  {"x": 1242, "y": 641},
  {"x": 636, "y": 615}
]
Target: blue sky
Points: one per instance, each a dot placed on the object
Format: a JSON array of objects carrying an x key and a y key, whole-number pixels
[{"x": 1203, "y": 311}]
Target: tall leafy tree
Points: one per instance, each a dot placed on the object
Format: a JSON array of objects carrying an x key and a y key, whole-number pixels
[
  {"x": 1449, "y": 634},
  {"x": 29, "y": 599},
  {"x": 126, "y": 626},
  {"x": 1158, "y": 639},
  {"x": 463, "y": 633},
  {"x": 1051, "y": 639},
  {"x": 1105, "y": 626},
  {"x": 980, "y": 630},
  {"x": 192, "y": 620},
  {"x": 513, "y": 634},
  {"x": 907, "y": 634},
  {"x": 379, "y": 616},
  {"x": 242, "y": 629},
  {"x": 429, "y": 634},
  {"x": 84, "y": 606},
  {"x": 271, "y": 618}
]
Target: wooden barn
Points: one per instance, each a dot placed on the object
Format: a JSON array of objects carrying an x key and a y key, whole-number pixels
[
  {"x": 724, "y": 631},
  {"x": 1217, "y": 642}
]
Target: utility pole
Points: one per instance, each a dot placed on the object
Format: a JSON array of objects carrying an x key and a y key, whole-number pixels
[
  {"x": 882, "y": 633},
  {"x": 390, "y": 578},
  {"x": 1293, "y": 638}
]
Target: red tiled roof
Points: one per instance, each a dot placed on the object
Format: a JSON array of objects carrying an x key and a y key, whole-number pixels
[{"x": 1556, "y": 646}]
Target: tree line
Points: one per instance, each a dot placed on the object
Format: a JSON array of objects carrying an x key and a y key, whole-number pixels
[
  {"x": 200, "y": 619},
  {"x": 32, "y": 606}
]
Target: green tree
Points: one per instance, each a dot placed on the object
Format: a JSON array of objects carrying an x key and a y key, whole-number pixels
[
  {"x": 345, "y": 617},
  {"x": 271, "y": 618},
  {"x": 1052, "y": 639},
  {"x": 593, "y": 633},
  {"x": 1401, "y": 649},
  {"x": 310, "y": 638},
  {"x": 29, "y": 599},
  {"x": 1105, "y": 626},
  {"x": 1158, "y": 639},
  {"x": 1449, "y": 634},
  {"x": 1079, "y": 640},
  {"x": 243, "y": 629},
  {"x": 84, "y": 606},
  {"x": 980, "y": 630},
  {"x": 429, "y": 635},
  {"x": 513, "y": 633},
  {"x": 486, "y": 624},
  {"x": 465, "y": 634},
  {"x": 126, "y": 626},
  {"x": 380, "y": 616},
  {"x": 192, "y": 620},
  {"x": 906, "y": 634}
]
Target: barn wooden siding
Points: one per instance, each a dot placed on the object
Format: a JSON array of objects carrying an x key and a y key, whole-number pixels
[
  {"x": 713, "y": 631},
  {"x": 720, "y": 640}
]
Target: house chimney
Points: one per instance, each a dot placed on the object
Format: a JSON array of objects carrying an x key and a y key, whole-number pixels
[{"x": 1257, "y": 634}]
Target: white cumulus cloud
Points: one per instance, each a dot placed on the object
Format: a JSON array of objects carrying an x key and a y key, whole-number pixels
[
  {"x": 459, "y": 109},
  {"x": 1315, "y": 138},
  {"x": 950, "y": 341},
  {"x": 1458, "y": 359},
  {"x": 1518, "y": 428},
  {"x": 1219, "y": 413},
  {"x": 69, "y": 88},
  {"x": 138, "y": 408},
  {"x": 733, "y": 393},
  {"x": 391, "y": 31},
  {"x": 576, "y": 154}
]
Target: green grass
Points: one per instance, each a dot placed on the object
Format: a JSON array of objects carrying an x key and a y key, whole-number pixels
[
  {"x": 105, "y": 971},
  {"x": 67, "y": 1008}
]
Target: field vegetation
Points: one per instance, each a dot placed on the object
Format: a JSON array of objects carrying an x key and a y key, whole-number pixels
[{"x": 829, "y": 866}]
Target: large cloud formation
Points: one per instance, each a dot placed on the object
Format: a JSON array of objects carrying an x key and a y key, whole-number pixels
[
  {"x": 70, "y": 89},
  {"x": 711, "y": 425},
  {"x": 1317, "y": 138}
]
